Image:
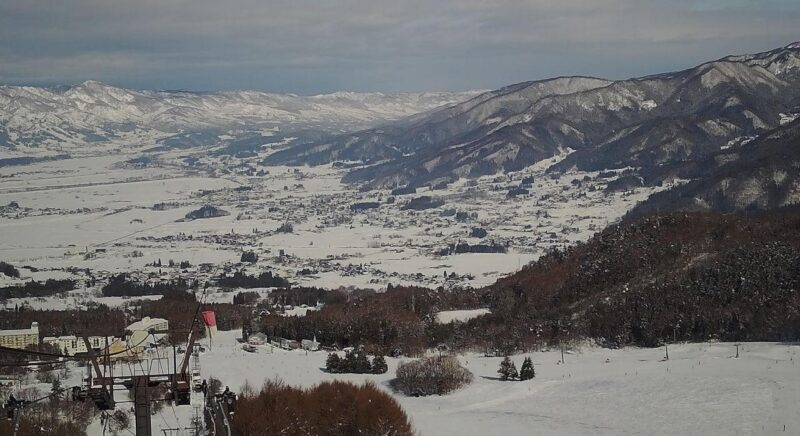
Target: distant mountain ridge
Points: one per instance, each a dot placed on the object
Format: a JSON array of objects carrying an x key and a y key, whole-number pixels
[
  {"x": 94, "y": 113},
  {"x": 645, "y": 122}
]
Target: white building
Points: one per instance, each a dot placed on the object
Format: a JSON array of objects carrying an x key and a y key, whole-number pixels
[
  {"x": 310, "y": 344},
  {"x": 139, "y": 336},
  {"x": 72, "y": 345},
  {"x": 21, "y": 338}
]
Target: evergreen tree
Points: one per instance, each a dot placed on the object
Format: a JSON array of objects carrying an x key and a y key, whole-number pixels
[
  {"x": 512, "y": 372},
  {"x": 379, "y": 365},
  {"x": 362, "y": 365},
  {"x": 55, "y": 390},
  {"x": 349, "y": 363},
  {"x": 507, "y": 371},
  {"x": 333, "y": 364},
  {"x": 526, "y": 371}
]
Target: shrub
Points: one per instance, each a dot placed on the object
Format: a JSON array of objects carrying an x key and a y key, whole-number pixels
[
  {"x": 379, "y": 365},
  {"x": 431, "y": 376},
  {"x": 328, "y": 409}
]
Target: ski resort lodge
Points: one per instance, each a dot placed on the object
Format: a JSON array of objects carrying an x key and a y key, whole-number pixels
[
  {"x": 21, "y": 338},
  {"x": 72, "y": 345}
]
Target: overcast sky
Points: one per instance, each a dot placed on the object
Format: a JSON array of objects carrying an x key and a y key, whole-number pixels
[{"x": 307, "y": 47}]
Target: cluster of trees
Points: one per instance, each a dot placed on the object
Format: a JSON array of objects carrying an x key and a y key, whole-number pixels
[
  {"x": 171, "y": 263},
  {"x": 286, "y": 227},
  {"x": 37, "y": 289},
  {"x": 249, "y": 257},
  {"x": 331, "y": 408},
  {"x": 355, "y": 362},
  {"x": 240, "y": 279},
  {"x": 121, "y": 285},
  {"x": 177, "y": 309},
  {"x": 9, "y": 270},
  {"x": 398, "y": 321},
  {"x": 650, "y": 280},
  {"x": 438, "y": 375},
  {"x": 246, "y": 298},
  {"x": 98, "y": 320},
  {"x": 310, "y": 296},
  {"x": 508, "y": 370},
  {"x": 464, "y": 247}
]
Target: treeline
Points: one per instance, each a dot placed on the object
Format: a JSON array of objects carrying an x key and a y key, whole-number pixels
[
  {"x": 178, "y": 308},
  {"x": 684, "y": 277},
  {"x": 678, "y": 277},
  {"x": 38, "y": 289},
  {"x": 240, "y": 279},
  {"x": 328, "y": 409},
  {"x": 464, "y": 247},
  {"x": 398, "y": 321},
  {"x": 96, "y": 321},
  {"x": 310, "y": 296},
  {"x": 100, "y": 320},
  {"x": 121, "y": 285}
]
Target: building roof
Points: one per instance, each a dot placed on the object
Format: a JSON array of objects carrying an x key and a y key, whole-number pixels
[
  {"x": 28, "y": 331},
  {"x": 146, "y": 323},
  {"x": 60, "y": 338}
]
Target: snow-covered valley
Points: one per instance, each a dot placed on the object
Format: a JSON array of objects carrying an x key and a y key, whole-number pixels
[{"x": 104, "y": 215}]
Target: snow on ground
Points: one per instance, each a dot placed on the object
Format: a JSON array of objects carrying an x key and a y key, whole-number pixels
[
  {"x": 701, "y": 390},
  {"x": 97, "y": 213},
  {"x": 449, "y": 316},
  {"x": 299, "y": 311}
]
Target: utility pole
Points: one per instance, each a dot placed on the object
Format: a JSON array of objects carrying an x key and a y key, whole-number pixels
[{"x": 141, "y": 405}]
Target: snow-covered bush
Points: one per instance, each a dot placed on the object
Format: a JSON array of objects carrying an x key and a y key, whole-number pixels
[{"x": 431, "y": 376}]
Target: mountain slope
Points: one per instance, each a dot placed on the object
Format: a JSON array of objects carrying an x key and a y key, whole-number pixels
[
  {"x": 467, "y": 121},
  {"x": 761, "y": 174},
  {"x": 644, "y": 122},
  {"x": 695, "y": 276},
  {"x": 93, "y": 112}
]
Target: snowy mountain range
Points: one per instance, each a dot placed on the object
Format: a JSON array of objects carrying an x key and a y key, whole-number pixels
[
  {"x": 648, "y": 123},
  {"x": 93, "y": 114}
]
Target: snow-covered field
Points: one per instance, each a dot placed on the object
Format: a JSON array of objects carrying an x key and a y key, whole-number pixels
[
  {"x": 449, "y": 316},
  {"x": 102, "y": 214},
  {"x": 701, "y": 390}
]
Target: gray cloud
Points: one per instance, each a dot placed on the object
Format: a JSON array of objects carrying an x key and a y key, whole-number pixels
[{"x": 309, "y": 46}]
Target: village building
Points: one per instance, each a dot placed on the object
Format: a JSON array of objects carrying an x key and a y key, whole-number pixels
[
  {"x": 310, "y": 344},
  {"x": 21, "y": 338},
  {"x": 72, "y": 345},
  {"x": 140, "y": 333}
]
